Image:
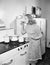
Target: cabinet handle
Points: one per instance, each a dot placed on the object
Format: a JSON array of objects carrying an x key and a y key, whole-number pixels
[
  {"x": 8, "y": 62},
  {"x": 23, "y": 54}
]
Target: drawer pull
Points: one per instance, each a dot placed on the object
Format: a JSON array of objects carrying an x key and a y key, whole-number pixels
[
  {"x": 8, "y": 62},
  {"x": 18, "y": 49},
  {"x": 27, "y": 45},
  {"x": 21, "y": 48},
  {"x": 24, "y": 46},
  {"x": 23, "y": 54}
]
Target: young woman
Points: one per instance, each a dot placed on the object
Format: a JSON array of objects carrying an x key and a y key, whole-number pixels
[{"x": 34, "y": 35}]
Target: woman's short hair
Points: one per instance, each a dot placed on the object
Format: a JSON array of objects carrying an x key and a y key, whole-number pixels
[
  {"x": 30, "y": 19},
  {"x": 29, "y": 16},
  {"x": 31, "y": 22}
]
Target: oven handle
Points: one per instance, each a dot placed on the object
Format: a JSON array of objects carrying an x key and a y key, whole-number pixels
[
  {"x": 23, "y": 53},
  {"x": 8, "y": 62}
]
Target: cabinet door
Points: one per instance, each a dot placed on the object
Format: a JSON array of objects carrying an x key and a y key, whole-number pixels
[
  {"x": 10, "y": 61},
  {"x": 8, "y": 57},
  {"x": 7, "y": 54},
  {"x": 21, "y": 56}
]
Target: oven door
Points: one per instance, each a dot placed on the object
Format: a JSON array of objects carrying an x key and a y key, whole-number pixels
[{"x": 22, "y": 55}]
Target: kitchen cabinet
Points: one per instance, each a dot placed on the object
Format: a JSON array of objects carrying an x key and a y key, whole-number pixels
[
  {"x": 8, "y": 58},
  {"x": 7, "y": 32},
  {"x": 21, "y": 57},
  {"x": 15, "y": 56},
  {"x": 10, "y": 61}
]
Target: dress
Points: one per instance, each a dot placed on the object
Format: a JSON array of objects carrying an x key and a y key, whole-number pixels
[{"x": 34, "y": 51}]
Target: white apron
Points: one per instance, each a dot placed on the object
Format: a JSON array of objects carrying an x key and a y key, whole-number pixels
[{"x": 34, "y": 51}]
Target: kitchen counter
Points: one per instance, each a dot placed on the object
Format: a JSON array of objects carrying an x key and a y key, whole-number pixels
[
  {"x": 17, "y": 54},
  {"x": 14, "y": 55}
]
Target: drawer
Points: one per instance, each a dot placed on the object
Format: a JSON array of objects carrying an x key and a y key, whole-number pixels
[
  {"x": 21, "y": 58},
  {"x": 22, "y": 55},
  {"x": 8, "y": 54},
  {"x": 10, "y": 61}
]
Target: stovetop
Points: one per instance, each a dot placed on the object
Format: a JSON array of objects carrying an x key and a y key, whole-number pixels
[{"x": 8, "y": 47}]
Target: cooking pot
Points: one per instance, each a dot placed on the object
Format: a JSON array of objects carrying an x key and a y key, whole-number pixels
[
  {"x": 6, "y": 39},
  {"x": 21, "y": 39},
  {"x": 14, "y": 41}
]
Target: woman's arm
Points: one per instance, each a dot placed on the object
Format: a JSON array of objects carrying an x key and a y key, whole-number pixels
[
  {"x": 35, "y": 36},
  {"x": 37, "y": 33}
]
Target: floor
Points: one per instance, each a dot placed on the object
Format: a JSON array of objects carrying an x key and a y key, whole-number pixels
[{"x": 46, "y": 58}]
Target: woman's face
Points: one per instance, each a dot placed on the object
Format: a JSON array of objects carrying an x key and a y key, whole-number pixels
[
  {"x": 31, "y": 22},
  {"x": 30, "y": 19}
]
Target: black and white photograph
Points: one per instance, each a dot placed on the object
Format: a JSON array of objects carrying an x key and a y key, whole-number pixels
[{"x": 24, "y": 32}]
